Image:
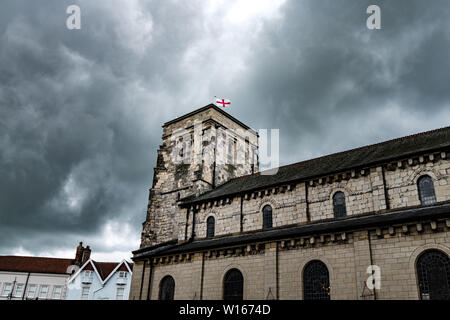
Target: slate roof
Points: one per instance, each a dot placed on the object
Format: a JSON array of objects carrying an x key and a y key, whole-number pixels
[
  {"x": 350, "y": 223},
  {"x": 34, "y": 264},
  {"x": 338, "y": 162}
]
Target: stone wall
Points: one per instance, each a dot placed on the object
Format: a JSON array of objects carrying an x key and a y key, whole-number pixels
[
  {"x": 402, "y": 182},
  {"x": 366, "y": 192},
  {"x": 275, "y": 269},
  {"x": 396, "y": 254}
]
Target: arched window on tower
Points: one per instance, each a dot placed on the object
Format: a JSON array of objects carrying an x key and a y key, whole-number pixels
[
  {"x": 267, "y": 217},
  {"x": 233, "y": 285},
  {"x": 167, "y": 288},
  {"x": 210, "y": 227},
  {"x": 339, "y": 208},
  {"x": 426, "y": 190}
]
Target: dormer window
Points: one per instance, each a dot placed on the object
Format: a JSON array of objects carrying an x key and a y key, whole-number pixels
[{"x": 123, "y": 274}]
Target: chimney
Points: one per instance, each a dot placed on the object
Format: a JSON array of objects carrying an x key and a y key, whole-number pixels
[
  {"x": 79, "y": 254},
  {"x": 86, "y": 255}
]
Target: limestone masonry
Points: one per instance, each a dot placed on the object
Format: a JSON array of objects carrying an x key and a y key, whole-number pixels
[{"x": 216, "y": 228}]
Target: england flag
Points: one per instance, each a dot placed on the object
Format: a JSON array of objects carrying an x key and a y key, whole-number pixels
[{"x": 222, "y": 102}]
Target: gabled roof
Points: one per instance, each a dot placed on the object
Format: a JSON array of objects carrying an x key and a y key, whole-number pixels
[
  {"x": 213, "y": 106},
  {"x": 356, "y": 158},
  {"x": 34, "y": 264},
  {"x": 103, "y": 270}
]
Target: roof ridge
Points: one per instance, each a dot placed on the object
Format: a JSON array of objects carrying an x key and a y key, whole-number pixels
[
  {"x": 370, "y": 145},
  {"x": 345, "y": 151}
]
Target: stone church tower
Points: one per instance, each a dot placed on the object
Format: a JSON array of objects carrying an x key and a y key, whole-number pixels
[
  {"x": 216, "y": 228},
  {"x": 200, "y": 151}
]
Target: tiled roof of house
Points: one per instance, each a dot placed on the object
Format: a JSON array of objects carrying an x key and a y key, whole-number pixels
[
  {"x": 105, "y": 268},
  {"x": 34, "y": 264},
  {"x": 338, "y": 162},
  {"x": 123, "y": 268}
]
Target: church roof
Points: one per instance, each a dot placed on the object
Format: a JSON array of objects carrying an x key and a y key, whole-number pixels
[
  {"x": 350, "y": 223},
  {"x": 362, "y": 157}
]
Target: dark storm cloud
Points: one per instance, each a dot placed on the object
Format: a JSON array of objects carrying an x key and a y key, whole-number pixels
[
  {"x": 321, "y": 72},
  {"x": 81, "y": 111},
  {"x": 79, "y": 126}
]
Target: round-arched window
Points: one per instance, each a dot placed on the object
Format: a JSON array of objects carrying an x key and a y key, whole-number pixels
[
  {"x": 339, "y": 208},
  {"x": 433, "y": 273},
  {"x": 316, "y": 281},
  {"x": 210, "y": 227},
  {"x": 267, "y": 217},
  {"x": 426, "y": 190},
  {"x": 233, "y": 285},
  {"x": 167, "y": 288}
]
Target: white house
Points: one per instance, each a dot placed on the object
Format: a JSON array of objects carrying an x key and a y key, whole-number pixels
[
  {"x": 24, "y": 278},
  {"x": 100, "y": 281}
]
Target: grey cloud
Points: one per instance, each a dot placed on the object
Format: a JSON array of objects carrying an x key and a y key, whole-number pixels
[
  {"x": 81, "y": 111},
  {"x": 321, "y": 68}
]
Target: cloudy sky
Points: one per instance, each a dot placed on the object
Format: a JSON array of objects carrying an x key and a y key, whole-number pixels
[{"x": 81, "y": 110}]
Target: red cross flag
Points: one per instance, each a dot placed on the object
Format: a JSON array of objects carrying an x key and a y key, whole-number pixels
[{"x": 222, "y": 102}]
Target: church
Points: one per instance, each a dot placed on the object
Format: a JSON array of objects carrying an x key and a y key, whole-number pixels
[{"x": 367, "y": 223}]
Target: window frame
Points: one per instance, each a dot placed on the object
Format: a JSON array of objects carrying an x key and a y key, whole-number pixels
[
  {"x": 267, "y": 220},
  {"x": 163, "y": 282},
  {"x": 313, "y": 271},
  {"x": 22, "y": 286},
  {"x": 27, "y": 293},
  {"x": 54, "y": 291},
  {"x": 122, "y": 289},
  {"x": 342, "y": 213},
  {"x": 47, "y": 287},
  {"x": 226, "y": 282},
  {"x": 210, "y": 228},
  {"x": 421, "y": 190},
  {"x": 431, "y": 258},
  {"x": 9, "y": 290},
  {"x": 82, "y": 292},
  {"x": 87, "y": 276}
]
